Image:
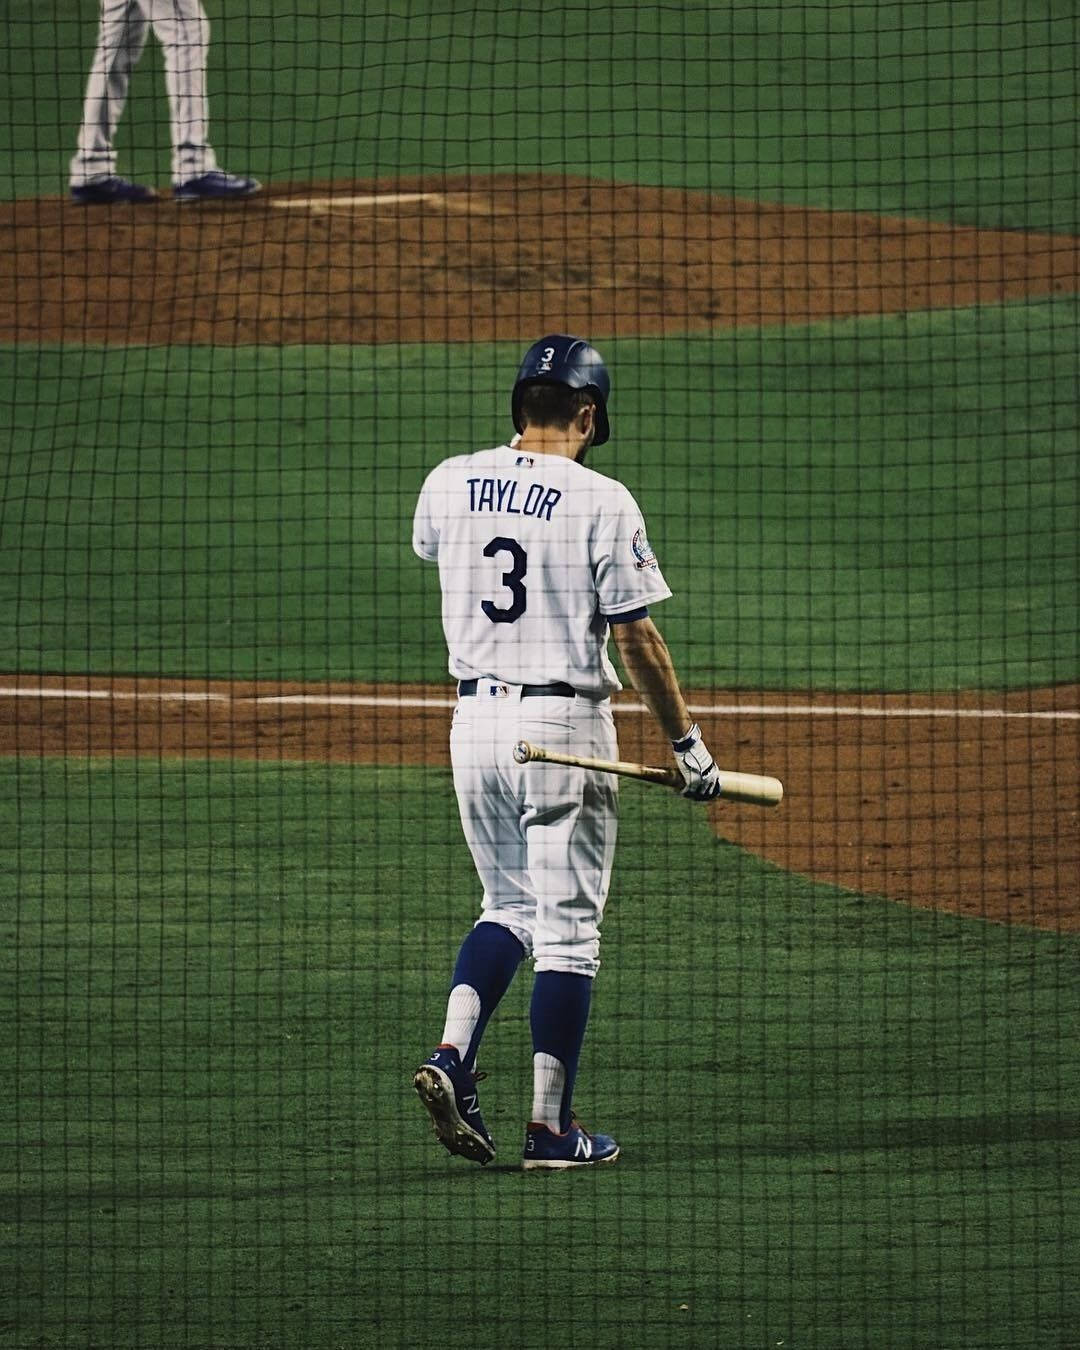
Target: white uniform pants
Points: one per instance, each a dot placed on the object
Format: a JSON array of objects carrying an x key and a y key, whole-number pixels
[
  {"x": 542, "y": 836},
  {"x": 182, "y": 28}
]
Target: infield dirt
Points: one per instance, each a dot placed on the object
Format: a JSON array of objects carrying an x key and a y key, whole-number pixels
[{"x": 466, "y": 259}]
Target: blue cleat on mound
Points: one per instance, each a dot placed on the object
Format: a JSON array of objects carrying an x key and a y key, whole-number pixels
[
  {"x": 576, "y": 1148},
  {"x": 216, "y": 186},
  {"x": 109, "y": 190},
  {"x": 448, "y": 1091}
]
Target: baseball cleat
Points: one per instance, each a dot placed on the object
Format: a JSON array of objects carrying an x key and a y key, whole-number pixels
[
  {"x": 109, "y": 190},
  {"x": 448, "y": 1091},
  {"x": 216, "y": 186},
  {"x": 576, "y": 1148}
]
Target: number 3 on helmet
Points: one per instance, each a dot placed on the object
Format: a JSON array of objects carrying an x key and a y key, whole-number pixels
[{"x": 562, "y": 359}]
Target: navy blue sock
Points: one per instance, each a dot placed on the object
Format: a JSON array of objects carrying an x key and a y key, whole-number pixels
[
  {"x": 488, "y": 960},
  {"x": 559, "y": 1013}
]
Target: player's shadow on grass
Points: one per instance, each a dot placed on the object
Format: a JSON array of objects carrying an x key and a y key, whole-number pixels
[{"x": 910, "y": 1132}]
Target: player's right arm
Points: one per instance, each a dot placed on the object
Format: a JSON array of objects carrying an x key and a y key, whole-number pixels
[
  {"x": 628, "y": 579},
  {"x": 426, "y": 530},
  {"x": 648, "y": 665}
]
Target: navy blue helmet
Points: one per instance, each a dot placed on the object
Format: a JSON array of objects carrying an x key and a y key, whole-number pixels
[{"x": 561, "y": 359}]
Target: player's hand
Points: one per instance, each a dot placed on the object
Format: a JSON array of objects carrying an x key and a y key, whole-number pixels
[{"x": 697, "y": 767}]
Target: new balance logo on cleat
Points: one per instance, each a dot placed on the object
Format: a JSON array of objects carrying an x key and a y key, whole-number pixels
[
  {"x": 448, "y": 1092},
  {"x": 547, "y": 1150}
]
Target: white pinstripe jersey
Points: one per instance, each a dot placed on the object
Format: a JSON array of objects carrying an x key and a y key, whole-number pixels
[{"x": 535, "y": 553}]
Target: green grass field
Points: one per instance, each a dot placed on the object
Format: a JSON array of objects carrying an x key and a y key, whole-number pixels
[{"x": 845, "y": 1124}]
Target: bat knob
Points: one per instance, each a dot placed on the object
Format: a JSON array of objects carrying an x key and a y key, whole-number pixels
[{"x": 521, "y": 752}]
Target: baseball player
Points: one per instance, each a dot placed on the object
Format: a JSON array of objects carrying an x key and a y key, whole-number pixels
[
  {"x": 182, "y": 28},
  {"x": 540, "y": 560}
]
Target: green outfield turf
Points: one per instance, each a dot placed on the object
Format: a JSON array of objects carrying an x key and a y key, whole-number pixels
[
  {"x": 843, "y": 1122},
  {"x": 880, "y": 503},
  {"x": 958, "y": 110}
]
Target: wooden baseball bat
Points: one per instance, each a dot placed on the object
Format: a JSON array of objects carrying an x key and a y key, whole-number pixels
[{"x": 756, "y": 789}]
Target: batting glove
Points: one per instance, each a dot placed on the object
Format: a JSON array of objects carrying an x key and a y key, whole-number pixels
[{"x": 697, "y": 767}]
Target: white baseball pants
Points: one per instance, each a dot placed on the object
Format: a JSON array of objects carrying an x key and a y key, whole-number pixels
[
  {"x": 542, "y": 836},
  {"x": 182, "y": 28}
]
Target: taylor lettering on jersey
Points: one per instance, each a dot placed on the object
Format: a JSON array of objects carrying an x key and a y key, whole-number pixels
[
  {"x": 509, "y": 496},
  {"x": 535, "y": 553}
]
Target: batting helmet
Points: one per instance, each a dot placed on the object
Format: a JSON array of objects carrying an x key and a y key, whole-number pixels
[{"x": 561, "y": 359}]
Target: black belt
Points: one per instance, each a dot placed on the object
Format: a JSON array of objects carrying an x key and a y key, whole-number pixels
[{"x": 467, "y": 689}]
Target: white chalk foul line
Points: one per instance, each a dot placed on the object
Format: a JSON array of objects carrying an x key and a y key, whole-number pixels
[
  {"x": 343, "y": 203},
  {"x": 460, "y": 203},
  {"x": 358, "y": 700},
  {"x": 132, "y": 695},
  {"x": 416, "y": 701},
  {"x": 837, "y": 710}
]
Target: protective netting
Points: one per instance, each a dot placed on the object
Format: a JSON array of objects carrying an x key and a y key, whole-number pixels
[{"x": 261, "y": 272}]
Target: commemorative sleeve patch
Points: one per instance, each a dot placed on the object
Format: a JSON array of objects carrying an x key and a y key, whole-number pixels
[{"x": 643, "y": 554}]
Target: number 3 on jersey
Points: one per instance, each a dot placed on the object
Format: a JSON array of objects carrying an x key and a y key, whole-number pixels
[{"x": 511, "y": 580}]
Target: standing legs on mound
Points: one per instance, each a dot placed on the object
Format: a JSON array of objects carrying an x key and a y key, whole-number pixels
[{"x": 182, "y": 28}]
